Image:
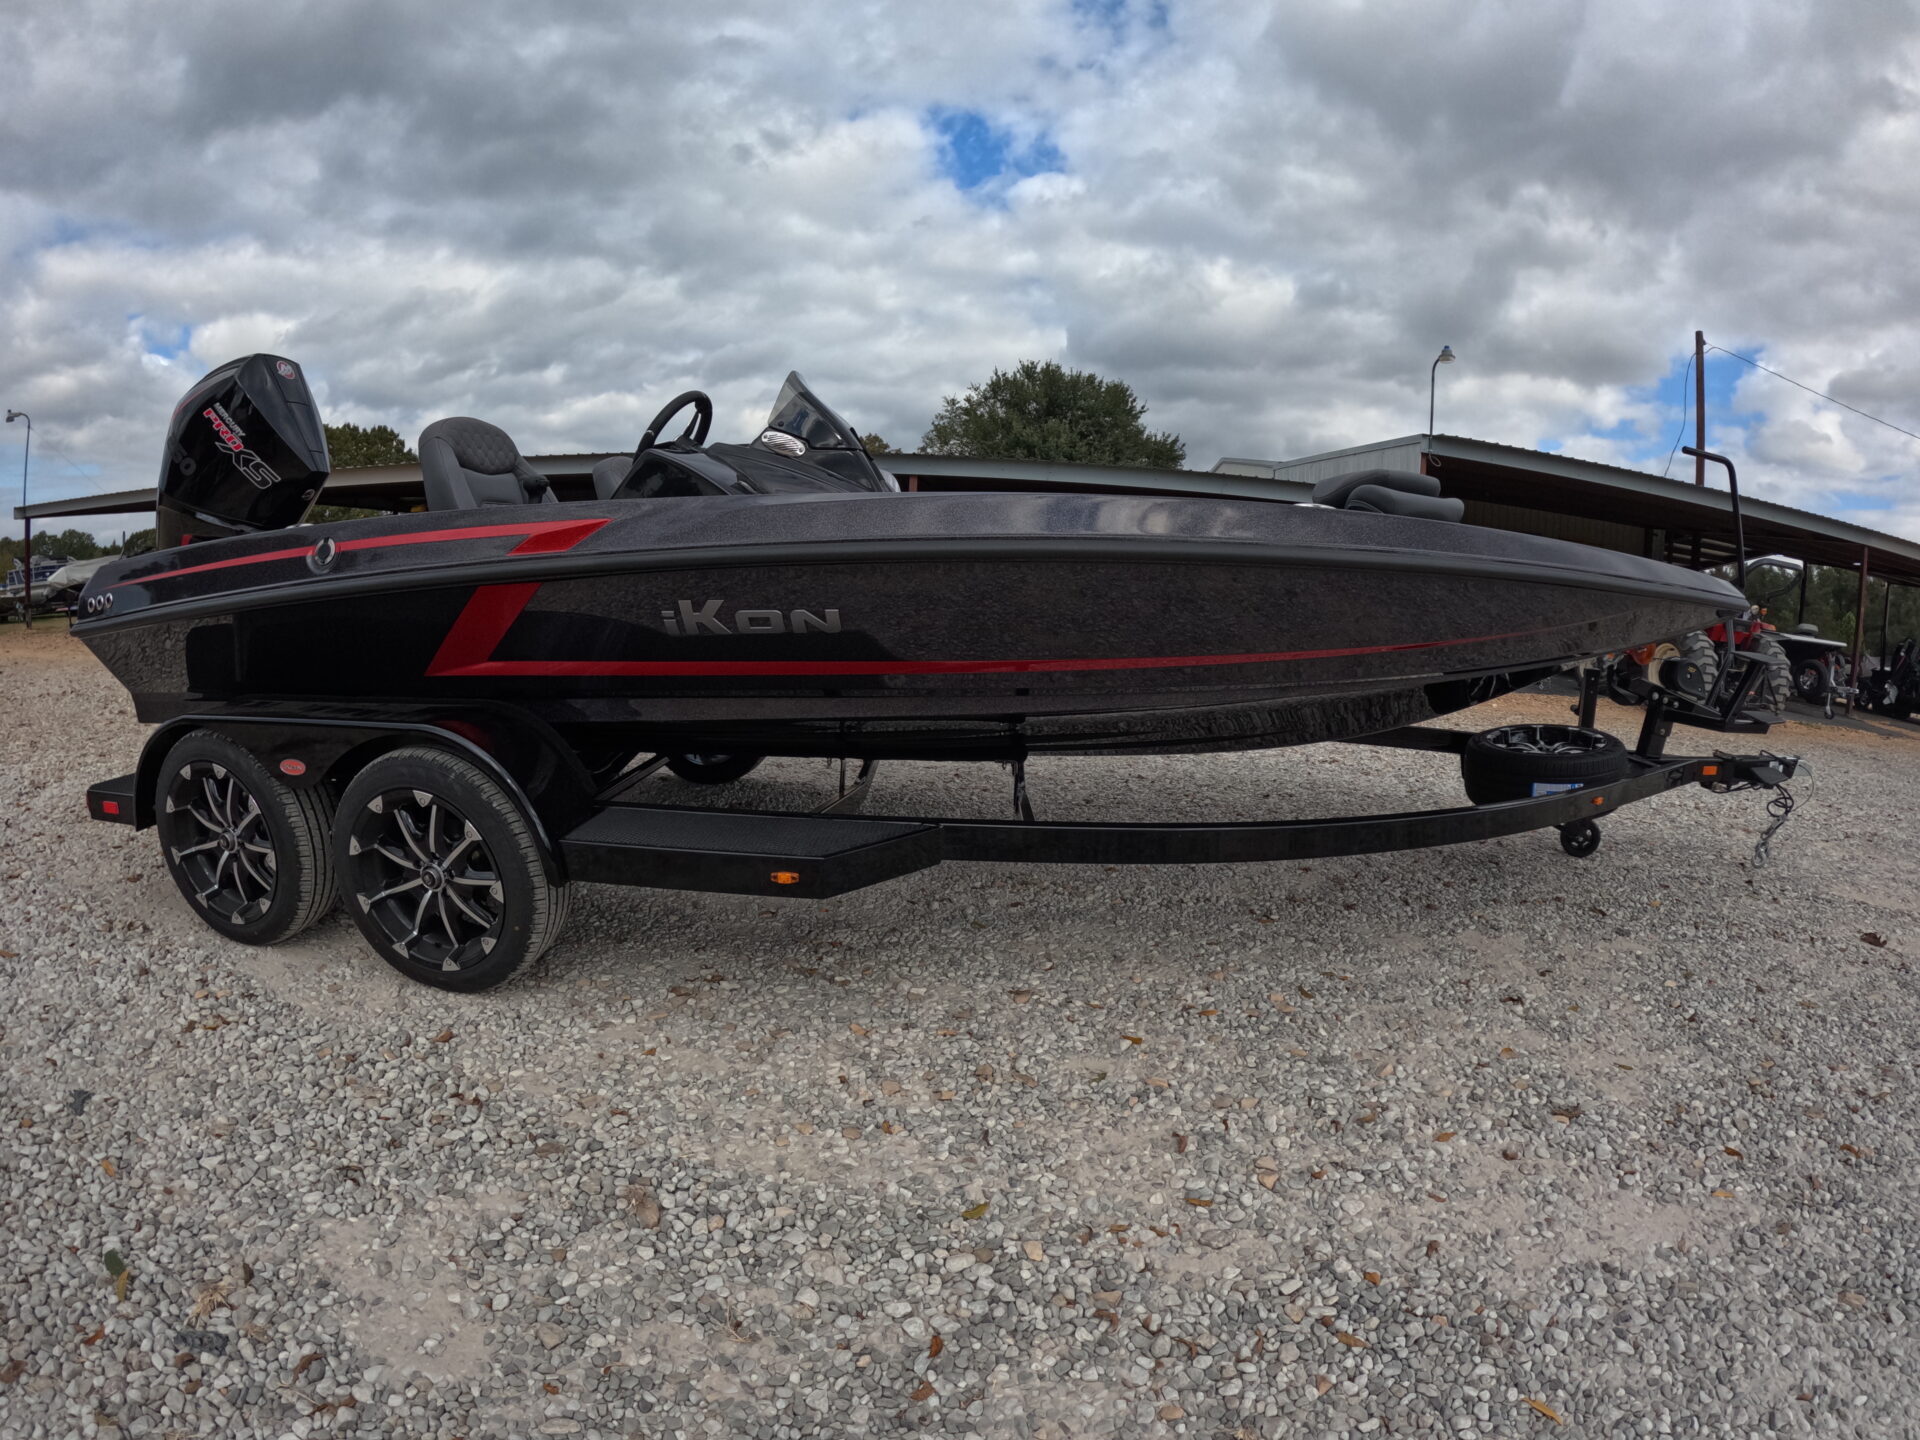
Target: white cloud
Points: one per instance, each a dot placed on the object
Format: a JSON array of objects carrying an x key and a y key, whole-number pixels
[{"x": 1267, "y": 221}]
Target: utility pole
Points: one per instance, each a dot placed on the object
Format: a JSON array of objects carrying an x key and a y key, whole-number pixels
[
  {"x": 26, "y": 521},
  {"x": 1699, "y": 406}
]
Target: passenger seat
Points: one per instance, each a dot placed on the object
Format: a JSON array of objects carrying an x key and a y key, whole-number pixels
[{"x": 468, "y": 463}]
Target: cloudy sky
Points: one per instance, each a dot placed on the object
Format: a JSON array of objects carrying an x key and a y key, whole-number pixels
[{"x": 1267, "y": 219}]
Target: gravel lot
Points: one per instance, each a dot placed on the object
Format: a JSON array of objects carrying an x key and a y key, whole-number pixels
[{"x": 1475, "y": 1141}]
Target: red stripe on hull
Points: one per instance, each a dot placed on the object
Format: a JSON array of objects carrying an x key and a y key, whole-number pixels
[
  {"x": 541, "y": 537},
  {"x": 490, "y": 611}
]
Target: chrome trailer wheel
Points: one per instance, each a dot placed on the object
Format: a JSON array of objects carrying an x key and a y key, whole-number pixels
[
  {"x": 442, "y": 870},
  {"x": 247, "y": 850}
]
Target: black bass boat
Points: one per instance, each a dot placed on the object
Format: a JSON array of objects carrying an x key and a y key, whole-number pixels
[
  {"x": 713, "y": 604},
  {"x": 742, "y": 598}
]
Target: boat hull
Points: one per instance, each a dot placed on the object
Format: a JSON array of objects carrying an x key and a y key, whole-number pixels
[{"x": 881, "y": 623}]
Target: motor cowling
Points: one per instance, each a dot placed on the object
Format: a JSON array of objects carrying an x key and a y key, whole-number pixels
[{"x": 246, "y": 452}]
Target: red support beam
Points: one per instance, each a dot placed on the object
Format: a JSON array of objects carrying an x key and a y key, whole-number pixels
[{"x": 1860, "y": 626}]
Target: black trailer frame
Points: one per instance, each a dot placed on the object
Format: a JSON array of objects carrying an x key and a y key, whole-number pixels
[{"x": 605, "y": 836}]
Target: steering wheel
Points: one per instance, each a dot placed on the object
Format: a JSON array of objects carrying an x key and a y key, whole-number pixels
[{"x": 697, "y": 427}]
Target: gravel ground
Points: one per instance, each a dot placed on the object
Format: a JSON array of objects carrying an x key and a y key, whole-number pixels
[{"x": 1479, "y": 1141}]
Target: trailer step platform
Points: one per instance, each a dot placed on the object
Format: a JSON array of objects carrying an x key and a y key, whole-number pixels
[
  {"x": 796, "y": 856},
  {"x": 112, "y": 800}
]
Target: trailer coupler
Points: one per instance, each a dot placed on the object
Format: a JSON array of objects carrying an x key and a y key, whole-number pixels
[
  {"x": 1727, "y": 774},
  {"x": 1765, "y": 771}
]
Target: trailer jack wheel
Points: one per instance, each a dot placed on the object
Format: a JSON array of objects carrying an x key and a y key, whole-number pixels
[{"x": 1580, "y": 838}]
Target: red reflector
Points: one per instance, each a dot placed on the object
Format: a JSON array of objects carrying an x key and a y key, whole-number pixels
[
  {"x": 109, "y": 807},
  {"x": 293, "y": 767}
]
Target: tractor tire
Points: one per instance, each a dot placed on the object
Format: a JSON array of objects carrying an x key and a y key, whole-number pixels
[{"x": 1770, "y": 693}]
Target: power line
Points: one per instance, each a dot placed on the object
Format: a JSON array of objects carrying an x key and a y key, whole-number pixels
[
  {"x": 74, "y": 466},
  {"x": 1686, "y": 404},
  {"x": 1811, "y": 391},
  {"x": 61, "y": 456}
]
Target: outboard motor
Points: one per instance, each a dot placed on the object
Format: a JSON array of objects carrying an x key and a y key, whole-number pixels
[{"x": 246, "y": 452}]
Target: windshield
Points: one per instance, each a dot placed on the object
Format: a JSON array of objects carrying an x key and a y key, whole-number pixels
[
  {"x": 800, "y": 413},
  {"x": 825, "y": 439}
]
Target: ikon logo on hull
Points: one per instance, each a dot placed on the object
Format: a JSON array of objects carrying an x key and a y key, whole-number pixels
[{"x": 707, "y": 620}]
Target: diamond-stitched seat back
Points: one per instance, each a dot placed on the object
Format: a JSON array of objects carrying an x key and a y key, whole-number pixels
[{"x": 467, "y": 463}]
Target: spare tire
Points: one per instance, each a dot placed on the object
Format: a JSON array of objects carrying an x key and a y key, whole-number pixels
[{"x": 1517, "y": 762}]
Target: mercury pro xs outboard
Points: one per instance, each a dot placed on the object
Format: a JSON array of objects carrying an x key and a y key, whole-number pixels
[{"x": 783, "y": 597}]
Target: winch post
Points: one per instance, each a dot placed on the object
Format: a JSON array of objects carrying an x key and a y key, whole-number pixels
[
  {"x": 1589, "y": 694},
  {"x": 1655, "y": 729}
]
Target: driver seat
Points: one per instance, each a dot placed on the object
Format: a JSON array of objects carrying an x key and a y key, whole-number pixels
[
  {"x": 468, "y": 463},
  {"x": 609, "y": 474}
]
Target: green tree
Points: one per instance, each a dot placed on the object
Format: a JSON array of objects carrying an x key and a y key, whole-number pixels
[
  {"x": 876, "y": 445},
  {"x": 72, "y": 544},
  {"x": 355, "y": 445},
  {"x": 352, "y": 446},
  {"x": 1043, "y": 411}
]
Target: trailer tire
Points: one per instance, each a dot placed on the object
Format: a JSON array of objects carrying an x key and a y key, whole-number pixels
[
  {"x": 240, "y": 842},
  {"x": 712, "y": 769},
  {"x": 423, "y": 823},
  {"x": 1516, "y": 762}
]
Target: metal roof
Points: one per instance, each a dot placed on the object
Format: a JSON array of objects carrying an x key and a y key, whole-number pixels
[
  {"x": 115, "y": 502},
  {"x": 379, "y": 487},
  {"x": 1482, "y": 472},
  {"x": 1490, "y": 473},
  {"x": 368, "y": 487}
]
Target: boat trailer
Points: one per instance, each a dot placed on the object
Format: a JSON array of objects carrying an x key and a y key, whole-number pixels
[{"x": 609, "y": 837}]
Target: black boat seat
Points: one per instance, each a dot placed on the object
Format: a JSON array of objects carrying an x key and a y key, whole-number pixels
[
  {"x": 1389, "y": 492},
  {"x": 468, "y": 463},
  {"x": 608, "y": 474}
]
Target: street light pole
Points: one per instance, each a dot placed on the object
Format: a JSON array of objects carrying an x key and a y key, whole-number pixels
[
  {"x": 1445, "y": 357},
  {"x": 26, "y": 521}
]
